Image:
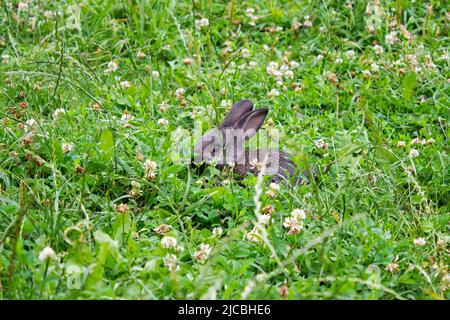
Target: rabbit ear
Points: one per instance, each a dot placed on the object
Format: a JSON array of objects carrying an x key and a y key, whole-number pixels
[
  {"x": 252, "y": 121},
  {"x": 237, "y": 111}
]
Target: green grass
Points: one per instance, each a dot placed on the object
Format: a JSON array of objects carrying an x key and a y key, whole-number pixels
[{"x": 368, "y": 203}]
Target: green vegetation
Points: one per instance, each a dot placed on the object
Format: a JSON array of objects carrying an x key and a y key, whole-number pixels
[{"x": 93, "y": 203}]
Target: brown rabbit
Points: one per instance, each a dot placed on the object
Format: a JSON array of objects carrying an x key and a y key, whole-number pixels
[{"x": 225, "y": 146}]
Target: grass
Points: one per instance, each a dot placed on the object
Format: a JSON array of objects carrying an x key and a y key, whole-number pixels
[{"x": 79, "y": 209}]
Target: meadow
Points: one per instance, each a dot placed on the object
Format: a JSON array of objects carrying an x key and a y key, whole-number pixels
[{"x": 96, "y": 204}]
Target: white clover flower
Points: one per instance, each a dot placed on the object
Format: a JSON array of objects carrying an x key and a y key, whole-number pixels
[
  {"x": 253, "y": 235},
  {"x": 338, "y": 61},
  {"x": 273, "y": 64},
  {"x": 413, "y": 153},
  {"x": 274, "y": 187},
  {"x": 284, "y": 68},
  {"x": 296, "y": 24},
  {"x": 135, "y": 189},
  {"x": 401, "y": 144},
  {"x": 49, "y": 14},
  {"x": 391, "y": 38},
  {"x": 22, "y": 6},
  {"x": 155, "y": 74},
  {"x": 163, "y": 107},
  {"x": 367, "y": 74},
  {"x": 252, "y": 64},
  {"x": 46, "y": 254},
  {"x": 150, "y": 168},
  {"x": 378, "y": 49},
  {"x": 259, "y": 277},
  {"x": 140, "y": 55},
  {"x": 111, "y": 67},
  {"x": 374, "y": 67},
  {"x": 445, "y": 281},
  {"x": 445, "y": 56},
  {"x": 431, "y": 141},
  {"x": 299, "y": 214},
  {"x": 205, "y": 247},
  {"x": 271, "y": 194},
  {"x": 307, "y": 22},
  {"x": 350, "y": 54},
  {"x": 273, "y": 93},
  {"x": 170, "y": 262},
  {"x": 168, "y": 242},
  {"x": 321, "y": 144},
  {"x": 150, "y": 165},
  {"x": 289, "y": 222},
  {"x": 58, "y": 112},
  {"x": 392, "y": 267},
  {"x": 250, "y": 11},
  {"x": 5, "y": 59},
  {"x": 217, "y": 231},
  {"x": 412, "y": 60},
  {"x": 32, "y": 21},
  {"x": 67, "y": 147},
  {"x": 256, "y": 164},
  {"x": 415, "y": 141},
  {"x": 126, "y": 116},
  {"x": 265, "y": 218},
  {"x": 289, "y": 74},
  {"x": 204, "y": 252},
  {"x": 30, "y": 123},
  {"x": 429, "y": 63},
  {"x": 245, "y": 53},
  {"x": 202, "y": 23},
  {"x": 226, "y": 103},
  {"x": 296, "y": 228},
  {"x": 293, "y": 224},
  {"x": 420, "y": 242},
  {"x": 272, "y": 69},
  {"x": 266, "y": 47},
  {"x": 163, "y": 122},
  {"x": 125, "y": 84},
  {"x": 253, "y": 19},
  {"x": 226, "y": 182},
  {"x": 294, "y": 64},
  {"x": 179, "y": 93}
]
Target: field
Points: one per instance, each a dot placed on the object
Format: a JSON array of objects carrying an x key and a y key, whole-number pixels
[{"x": 96, "y": 98}]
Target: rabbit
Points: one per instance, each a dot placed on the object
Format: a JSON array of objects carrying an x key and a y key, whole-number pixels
[{"x": 225, "y": 146}]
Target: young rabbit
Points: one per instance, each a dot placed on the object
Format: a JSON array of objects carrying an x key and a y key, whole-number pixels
[{"x": 225, "y": 146}]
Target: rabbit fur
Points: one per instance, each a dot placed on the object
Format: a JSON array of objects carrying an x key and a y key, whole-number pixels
[{"x": 225, "y": 146}]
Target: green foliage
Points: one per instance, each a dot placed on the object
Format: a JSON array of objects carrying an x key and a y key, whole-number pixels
[{"x": 89, "y": 91}]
